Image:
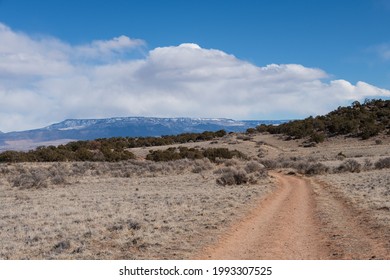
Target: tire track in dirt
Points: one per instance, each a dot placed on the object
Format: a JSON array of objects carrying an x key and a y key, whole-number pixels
[
  {"x": 282, "y": 226},
  {"x": 299, "y": 220}
]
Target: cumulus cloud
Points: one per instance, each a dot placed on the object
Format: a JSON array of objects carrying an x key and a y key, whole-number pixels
[
  {"x": 117, "y": 45},
  {"x": 44, "y": 80},
  {"x": 22, "y": 56}
]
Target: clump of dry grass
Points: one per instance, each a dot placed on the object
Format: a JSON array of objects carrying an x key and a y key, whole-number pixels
[
  {"x": 130, "y": 224},
  {"x": 80, "y": 168},
  {"x": 133, "y": 168},
  {"x": 262, "y": 153},
  {"x": 61, "y": 246},
  {"x": 58, "y": 174},
  {"x": 37, "y": 178},
  {"x": 40, "y": 175},
  {"x": 201, "y": 165}
]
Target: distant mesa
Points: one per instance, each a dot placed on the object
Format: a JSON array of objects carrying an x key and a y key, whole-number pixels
[{"x": 88, "y": 129}]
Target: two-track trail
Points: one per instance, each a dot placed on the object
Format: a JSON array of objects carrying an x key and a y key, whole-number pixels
[{"x": 301, "y": 219}]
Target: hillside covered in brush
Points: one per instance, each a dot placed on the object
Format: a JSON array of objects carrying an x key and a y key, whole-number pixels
[
  {"x": 113, "y": 149},
  {"x": 358, "y": 120}
]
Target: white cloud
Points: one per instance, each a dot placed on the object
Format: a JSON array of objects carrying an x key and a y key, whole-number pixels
[
  {"x": 22, "y": 56},
  {"x": 45, "y": 80},
  {"x": 382, "y": 50},
  {"x": 117, "y": 45}
]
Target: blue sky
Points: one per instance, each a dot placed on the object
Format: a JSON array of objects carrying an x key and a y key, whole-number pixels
[{"x": 177, "y": 58}]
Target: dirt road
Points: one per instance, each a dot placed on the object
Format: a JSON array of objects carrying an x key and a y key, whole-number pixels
[{"x": 301, "y": 219}]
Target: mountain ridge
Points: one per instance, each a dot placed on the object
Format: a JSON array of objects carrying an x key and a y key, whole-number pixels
[
  {"x": 89, "y": 129},
  {"x": 82, "y": 123}
]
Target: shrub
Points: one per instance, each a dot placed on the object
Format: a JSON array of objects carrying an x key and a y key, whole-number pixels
[
  {"x": 309, "y": 144},
  {"x": 12, "y": 156},
  {"x": 201, "y": 165},
  {"x": 317, "y": 137},
  {"x": 383, "y": 163},
  {"x": 253, "y": 166},
  {"x": 192, "y": 153},
  {"x": 213, "y": 154},
  {"x": 365, "y": 121},
  {"x": 262, "y": 153},
  {"x": 367, "y": 164},
  {"x": 32, "y": 179},
  {"x": 230, "y": 162},
  {"x": 166, "y": 155},
  {"x": 232, "y": 176},
  {"x": 251, "y": 131},
  {"x": 58, "y": 180},
  {"x": 350, "y": 165},
  {"x": 270, "y": 164},
  {"x": 286, "y": 163},
  {"x": 316, "y": 169},
  {"x": 369, "y": 129},
  {"x": 378, "y": 141},
  {"x": 340, "y": 156}
]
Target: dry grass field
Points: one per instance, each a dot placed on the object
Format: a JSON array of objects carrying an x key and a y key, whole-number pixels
[
  {"x": 369, "y": 191},
  {"x": 132, "y": 210},
  {"x": 145, "y": 210}
]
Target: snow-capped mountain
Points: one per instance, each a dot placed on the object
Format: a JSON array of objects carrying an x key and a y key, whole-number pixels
[
  {"x": 87, "y": 129},
  {"x": 181, "y": 124}
]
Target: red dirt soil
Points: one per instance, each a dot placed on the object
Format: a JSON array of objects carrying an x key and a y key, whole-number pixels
[{"x": 301, "y": 219}]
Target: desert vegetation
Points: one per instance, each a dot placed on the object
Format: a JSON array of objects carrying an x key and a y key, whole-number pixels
[
  {"x": 115, "y": 210},
  {"x": 192, "y": 153},
  {"x": 166, "y": 197},
  {"x": 107, "y": 149},
  {"x": 358, "y": 120},
  {"x": 367, "y": 190},
  {"x": 310, "y": 166}
]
